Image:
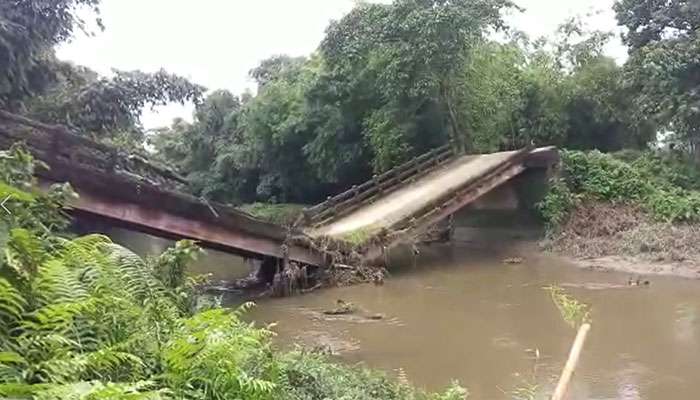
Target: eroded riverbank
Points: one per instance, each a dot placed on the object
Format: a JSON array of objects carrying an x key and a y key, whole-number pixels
[
  {"x": 637, "y": 266},
  {"x": 605, "y": 237}
]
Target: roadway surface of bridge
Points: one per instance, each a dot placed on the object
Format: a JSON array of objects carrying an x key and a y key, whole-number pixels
[{"x": 410, "y": 199}]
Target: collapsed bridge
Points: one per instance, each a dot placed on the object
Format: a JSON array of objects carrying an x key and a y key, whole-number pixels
[
  {"x": 390, "y": 209},
  {"x": 406, "y": 202}
]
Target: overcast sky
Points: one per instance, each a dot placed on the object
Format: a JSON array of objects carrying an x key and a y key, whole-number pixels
[{"x": 216, "y": 42}]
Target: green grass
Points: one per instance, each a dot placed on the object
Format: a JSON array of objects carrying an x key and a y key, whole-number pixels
[
  {"x": 281, "y": 214},
  {"x": 358, "y": 237},
  {"x": 573, "y": 312}
]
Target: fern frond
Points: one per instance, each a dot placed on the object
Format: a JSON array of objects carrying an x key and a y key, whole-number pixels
[
  {"x": 12, "y": 306},
  {"x": 243, "y": 309},
  {"x": 112, "y": 365},
  {"x": 85, "y": 251},
  {"x": 86, "y": 255},
  {"x": 139, "y": 280},
  {"x": 96, "y": 390},
  {"x": 56, "y": 317},
  {"x": 24, "y": 252},
  {"x": 11, "y": 366},
  {"x": 16, "y": 390},
  {"x": 56, "y": 283}
]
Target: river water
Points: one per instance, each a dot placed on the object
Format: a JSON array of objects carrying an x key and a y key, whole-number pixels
[{"x": 459, "y": 313}]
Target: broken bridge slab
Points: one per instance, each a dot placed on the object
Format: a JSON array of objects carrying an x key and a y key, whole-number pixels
[{"x": 416, "y": 205}]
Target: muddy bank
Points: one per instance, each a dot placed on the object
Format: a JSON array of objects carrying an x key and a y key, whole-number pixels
[
  {"x": 623, "y": 238},
  {"x": 635, "y": 266}
]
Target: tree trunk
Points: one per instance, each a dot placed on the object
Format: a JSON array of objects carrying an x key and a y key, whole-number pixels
[
  {"x": 695, "y": 148},
  {"x": 457, "y": 135}
]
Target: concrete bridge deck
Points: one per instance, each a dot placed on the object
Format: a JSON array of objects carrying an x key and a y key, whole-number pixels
[
  {"x": 418, "y": 203},
  {"x": 407, "y": 201}
]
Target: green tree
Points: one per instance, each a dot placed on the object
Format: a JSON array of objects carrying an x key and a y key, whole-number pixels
[
  {"x": 391, "y": 81},
  {"x": 108, "y": 108},
  {"x": 33, "y": 80},
  {"x": 209, "y": 151},
  {"x": 664, "y": 69},
  {"x": 601, "y": 112},
  {"x": 493, "y": 86},
  {"x": 29, "y": 29},
  {"x": 277, "y": 129},
  {"x": 406, "y": 58}
]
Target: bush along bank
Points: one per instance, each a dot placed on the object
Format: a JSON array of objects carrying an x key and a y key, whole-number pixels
[{"x": 637, "y": 212}]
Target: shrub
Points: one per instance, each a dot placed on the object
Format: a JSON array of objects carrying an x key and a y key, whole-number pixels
[
  {"x": 555, "y": 206},
  {"x": 661, "y": 186},
  {"x": 310, "y": 376}
]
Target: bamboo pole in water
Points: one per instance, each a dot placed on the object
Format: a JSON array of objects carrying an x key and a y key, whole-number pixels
[{"x": 571, "y": 363}]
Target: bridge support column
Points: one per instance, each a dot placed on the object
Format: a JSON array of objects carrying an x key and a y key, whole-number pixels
[{"x": 267, "y": 270}]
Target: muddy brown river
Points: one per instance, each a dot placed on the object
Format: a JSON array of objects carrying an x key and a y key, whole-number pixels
[{"x": 461, "y": 314}]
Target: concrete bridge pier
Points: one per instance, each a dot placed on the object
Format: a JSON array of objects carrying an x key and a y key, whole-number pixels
[{"x": 506, "y": 213}]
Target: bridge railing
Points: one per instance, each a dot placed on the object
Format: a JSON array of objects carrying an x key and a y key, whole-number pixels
[
  {"x": 380, "y": 185},
  {"x": 56, "y": 142}
]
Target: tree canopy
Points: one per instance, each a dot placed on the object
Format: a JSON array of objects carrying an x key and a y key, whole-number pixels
[
  {"x": 664, "y": 64},
  {"x": 387, "y": 82},
  {"x": 34, "y": 81},
  {"x": 29, "y": 29},
  {"x": 391, "y": 81}
]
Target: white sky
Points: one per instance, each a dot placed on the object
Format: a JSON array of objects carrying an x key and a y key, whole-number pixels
[{"x": 216, "y": 42}]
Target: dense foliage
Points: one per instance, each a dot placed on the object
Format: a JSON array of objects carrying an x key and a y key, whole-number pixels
[
  {"x": 388, "y": 82},
  {"x": 32, "y": 80},
  {"x": 662, "y": 185},
  {"x": 281, "y": 213},
  {"x": 664, "y": 64},
  {"x": 84, "y": 318},
  {"x": 28, "y": 31},
  {"x": 108, "y": 108},
  {"x": 391, "y": 81}
]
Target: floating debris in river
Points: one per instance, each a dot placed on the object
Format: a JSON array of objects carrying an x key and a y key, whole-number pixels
[{"x": 343, "y": 308}]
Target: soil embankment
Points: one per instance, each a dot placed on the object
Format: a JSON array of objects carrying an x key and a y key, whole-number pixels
[{"x": 623, "y": 238}]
